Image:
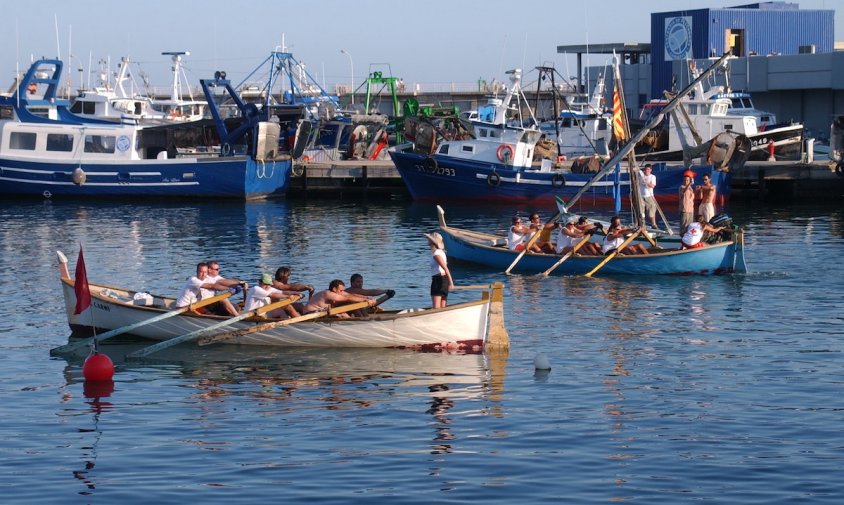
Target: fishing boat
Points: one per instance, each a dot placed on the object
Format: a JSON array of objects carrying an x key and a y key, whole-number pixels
[
  {"x": 468, "y": 326},
  {"x": 582, "y": 128},
  {"x": 725, "y": 255},
  {"x": 121, "y": 101},
  {"x": 707, "y": 112},
  {"x": 45, "y": 150},
  {"x": 495, "y": 162}
]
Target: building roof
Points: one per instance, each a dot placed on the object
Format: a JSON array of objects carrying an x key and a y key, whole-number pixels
[{"x": 618, "y": 47}]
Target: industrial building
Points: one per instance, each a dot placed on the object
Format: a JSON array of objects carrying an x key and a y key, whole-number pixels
[{"x": 785, "y": 56}]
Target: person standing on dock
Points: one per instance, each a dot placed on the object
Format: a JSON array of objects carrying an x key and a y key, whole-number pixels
[
  {"x": 706, "y": 193},
  {"x": 687, "y": 201}
]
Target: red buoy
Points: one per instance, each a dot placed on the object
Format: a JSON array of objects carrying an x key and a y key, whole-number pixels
[{"x": 98, "y": 367}]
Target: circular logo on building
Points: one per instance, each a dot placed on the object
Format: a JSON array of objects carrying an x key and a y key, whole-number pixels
[
  {"x": 678, "y": 38},
  {"x": 123, "y": 143}
]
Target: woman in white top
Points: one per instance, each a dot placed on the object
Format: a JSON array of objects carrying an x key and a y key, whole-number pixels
[
  {"x": 569, "y": 236},
  {"x": 441, "y": 280},
  {"x": 519, "y": 235},
  {"x": 615, "y": 237}
]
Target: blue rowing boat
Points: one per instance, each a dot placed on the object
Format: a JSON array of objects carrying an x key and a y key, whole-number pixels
[{"x": 720, "y": 257}]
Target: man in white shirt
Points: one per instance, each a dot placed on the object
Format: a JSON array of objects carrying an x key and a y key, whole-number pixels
[
  {"x": 264, "y": 294},
  {"x": 199, "y": 284},
  {"x": 647, "y": 192}
]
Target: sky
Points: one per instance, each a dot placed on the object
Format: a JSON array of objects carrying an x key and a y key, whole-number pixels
[{"x": 435, "y": 43}]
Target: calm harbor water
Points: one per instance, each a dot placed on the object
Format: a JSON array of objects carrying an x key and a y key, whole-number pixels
[{"x": 662, "y": 390}]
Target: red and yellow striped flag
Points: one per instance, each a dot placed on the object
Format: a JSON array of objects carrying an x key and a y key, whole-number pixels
[{"x": 617, "y": 120}]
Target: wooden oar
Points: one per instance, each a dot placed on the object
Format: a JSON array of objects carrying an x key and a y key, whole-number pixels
[
  {"x": 648, "y": 236},
  {"x": 530, "y": 243},
  {"x": 614, "y": 253},
  {"x": 146, "y": 351},
  {"x": 275, "y": 324},
  {"x": 568, "y": 254},
  {"x": 64, "y": 349}
]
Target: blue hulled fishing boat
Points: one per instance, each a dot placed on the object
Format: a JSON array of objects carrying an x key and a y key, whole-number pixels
[
  {"x": 45, "y": 150},
  {"x": 495, "y": 161}
]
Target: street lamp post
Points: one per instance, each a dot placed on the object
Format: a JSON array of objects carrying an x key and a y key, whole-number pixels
[{"x": 351, "y": 64}]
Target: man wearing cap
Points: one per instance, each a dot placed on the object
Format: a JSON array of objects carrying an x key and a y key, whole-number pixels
[
  {"x": 687, "y": 201},
  {"x": 264, "y": 294}
]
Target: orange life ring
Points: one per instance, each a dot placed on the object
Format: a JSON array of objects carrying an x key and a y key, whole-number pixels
[
  {"x": 501, "y": 150},
  {"x": 32, "y": 88},
  {"x": 306, "y": 158}
]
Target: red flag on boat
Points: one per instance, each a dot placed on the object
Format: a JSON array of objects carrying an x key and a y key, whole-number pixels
[
  {"x": 80, "y": 286},
  {"x": 617, "y": 119}
]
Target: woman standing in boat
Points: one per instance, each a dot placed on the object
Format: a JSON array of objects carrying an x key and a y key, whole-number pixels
[{"x": 441, "y": 280}]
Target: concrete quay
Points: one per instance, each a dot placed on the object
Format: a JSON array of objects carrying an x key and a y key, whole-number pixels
[
  {"x": 781, "y": 180},
  {"x": 788, "y": 181}
]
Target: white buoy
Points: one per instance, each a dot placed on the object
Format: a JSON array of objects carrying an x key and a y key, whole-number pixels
[{"x": 540, "y": 362}]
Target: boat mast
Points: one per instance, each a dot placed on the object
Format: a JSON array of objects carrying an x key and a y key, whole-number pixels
[
  {"x": 610, "y": 164},
  {"x": 176, "y": 90}
]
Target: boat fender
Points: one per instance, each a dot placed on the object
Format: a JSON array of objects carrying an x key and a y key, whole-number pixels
[
  {"x": 79, "y": 176},
  {"x": 431, "y": 164},
  {"x": 839, "y": 169},
  {"x": 558, "y": 180},
  {"x": 227, "y": 149},
  {"x": 493, "y": 179},
  {"x": 504, "y": 153}
]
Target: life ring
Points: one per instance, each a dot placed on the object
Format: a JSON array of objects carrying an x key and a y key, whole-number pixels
[
  {"x": 431, "y": 164},
  {"x": 227, "y": 149},
  {"x": 504, "y": 148},
  {"x": 306, "y": 158},
  {"x": 558, "y": 181},
  {"x": 32, "y": 88},
  {"x": 493, "y": 179}
]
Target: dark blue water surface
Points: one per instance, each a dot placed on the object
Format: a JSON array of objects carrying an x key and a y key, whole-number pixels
[{"x": 662, "y": 390}]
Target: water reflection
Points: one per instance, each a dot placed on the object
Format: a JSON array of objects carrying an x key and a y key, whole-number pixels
[{"x": 284, "y": 382}]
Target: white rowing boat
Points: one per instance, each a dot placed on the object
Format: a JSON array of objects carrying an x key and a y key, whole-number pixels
[{"x": 468, "y": 326}]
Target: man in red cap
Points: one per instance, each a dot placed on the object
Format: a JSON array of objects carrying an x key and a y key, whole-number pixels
[{"x": 687, "y": 201}]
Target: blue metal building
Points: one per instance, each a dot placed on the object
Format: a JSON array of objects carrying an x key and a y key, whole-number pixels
[{"x": 755, "y": 29}]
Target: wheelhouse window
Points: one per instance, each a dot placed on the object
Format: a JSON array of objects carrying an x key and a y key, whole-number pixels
[
  {"x": 83, "y": 107},
  {"x": 24, "y": 141},
  {"x": 59, "y": 142},
  {"x": 7, "y": 112},
  {"x": 468, "y": 148},
  {"x": 99, "y": 143}
]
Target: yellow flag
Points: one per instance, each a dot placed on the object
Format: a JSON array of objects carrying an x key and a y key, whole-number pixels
[{"x": 617, "y": 119}]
